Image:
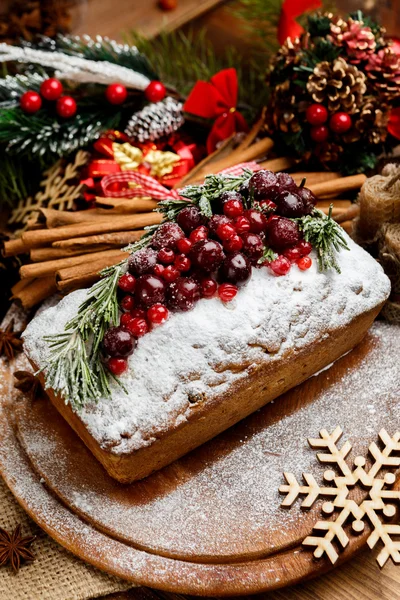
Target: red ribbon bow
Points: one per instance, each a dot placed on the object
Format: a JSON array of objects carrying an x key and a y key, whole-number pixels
[
  {"x": 217, "y": 100},
  {"x": 290, "y": 11},
  {"x": 145, "y": 186}
]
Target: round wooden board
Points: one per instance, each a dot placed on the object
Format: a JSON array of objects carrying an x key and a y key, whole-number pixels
[{"x": 211, "y": 523}]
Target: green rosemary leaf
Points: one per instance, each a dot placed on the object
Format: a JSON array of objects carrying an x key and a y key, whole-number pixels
[
  {"x": 268, "y": 255},
  {"x": 205, "y": 206}
]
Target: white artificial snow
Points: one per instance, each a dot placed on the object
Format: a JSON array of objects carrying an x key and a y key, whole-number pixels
[{"x": 206, "y": 350}]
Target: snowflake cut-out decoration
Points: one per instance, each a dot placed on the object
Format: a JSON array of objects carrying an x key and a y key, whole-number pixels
[{"x": 380, "y": 502}]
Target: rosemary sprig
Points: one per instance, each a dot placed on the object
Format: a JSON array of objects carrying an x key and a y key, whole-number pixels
[
  {"x": 268, "y": 255},
  {"x": 326, "y": 237}
]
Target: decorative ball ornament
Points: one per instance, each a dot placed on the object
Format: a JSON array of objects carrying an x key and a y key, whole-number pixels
[
  {"x": 30, "y": 102},
  {"x": 340, "y": 122},
  {"x": 316, "y": 114},
  {"x": 155, "y": 91},
  {"x": 66, "y": 107},
  {"x": 116, "y": 93},
  {"x": 319, "y": 133},
  {"x": 51, "y": 89}
]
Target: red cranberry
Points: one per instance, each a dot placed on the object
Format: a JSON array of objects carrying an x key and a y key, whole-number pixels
[
  {"x": 118, "y": 342},
  {"x": 158, "y": 270},
  {"x": 233, "y": 208},
  {"x": 184, "y": 245},
  {"x": 182, "y": 263},
  {"x": 167, "y": 235},
  {"x": 290, "y": 205},
  {"x": 264, "y": 184},
  {"x": 189, "y": 218},
  {"x": 208, "y": 287},
  {"x": 135, "y": 325},
  {"x": 242, "y": 225},
  {"x": 225, "y": 231},
  {"x": 309, "y": 199},
  {"x": 157, "y": 314},
  {"x": 127, "y": 303},
  {"x": 127, "y": 283},
  {"x": 143, "y": 261},
  {"x": 236, "y": 268},
  {"x": 166, "y": 256},
  {"x": 293, "y": 254},
  {"x": 280, "y": 266},
  {"x": 234, "y": 244},
  {"x": 138, "y": 313},
  {"x": 125, "y": 319},
  {"x": 230, "y": 195},
  {"x": 252, "y": 246},
  {"x": 170, "y": 274},
  {"x": 283, "y": 233},
  {"x": 267, "y": 206},
  {"x": 227, "y": 292},
  {"x": 117, "y": 366},
  {"x": 286, "y": 182},
  {"x": 216, "y": 221},
  {"x": 304, "y": 247},
  {"x": 304, "y": 263},
  {"x": 183, "y": 293},
  {"x": 207, "y": 255},
  {"x": 200, "y": 233},
  {"x": 244, "y": 189},
  {"x": 258, "y": 222},
  {"x": 150, "y": 289}
]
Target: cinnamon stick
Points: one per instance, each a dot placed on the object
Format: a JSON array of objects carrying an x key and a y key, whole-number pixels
[
  {"x": 59, "y": 218},
  {"x": 77, "y": 283},
  {"x": 19, "y": 286},
  {"x": 225, "y": 148},
  {"x": 14, "y": 247},
  {"x": 338, "y": 186},
  {"x": 116, "y": 239},
  {"x": 348, "y": 215},
  {"x": 124, "y": 205},
  {"x": 91, "y": 268},
  {"x": 254, "y": 131},
  {"x": 48, "y": 268},
  {"x": 278, "y": 164},
  {"x": 39, "y": 255},
  {"x": 348, "y": 226},
  {"x": 38, "y": 239},
  {"x": 313, "y": 177},
  {"x": 37, "y": 291}
]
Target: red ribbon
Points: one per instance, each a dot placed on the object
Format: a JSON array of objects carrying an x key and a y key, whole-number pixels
[
  {"x": 290, "y": 11},
  {"x": 394, "y": 123},
  {"x": 217, "y": 100}
]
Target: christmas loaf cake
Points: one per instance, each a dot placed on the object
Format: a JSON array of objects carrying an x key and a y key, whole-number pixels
[{"x": 237, "y": 297}]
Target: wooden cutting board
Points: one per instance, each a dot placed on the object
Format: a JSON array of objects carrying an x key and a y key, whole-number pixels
[{"x": 211, "y": 523}]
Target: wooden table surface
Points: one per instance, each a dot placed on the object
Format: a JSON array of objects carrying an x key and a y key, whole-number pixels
[{"x": 361, "y": 578}]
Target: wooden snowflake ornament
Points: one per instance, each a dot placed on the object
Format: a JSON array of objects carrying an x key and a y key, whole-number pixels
[{"x": 380, "y": 498}]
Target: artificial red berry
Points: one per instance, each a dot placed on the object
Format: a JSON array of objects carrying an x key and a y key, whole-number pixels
[
  {"x": 207, "y": 255},
  {"x": 316, "y": 114},
  {"x": 280, "y": 266},
  {"x": 155, "y": 91},
  {"x": 30, "y": 102},
  {"x": 304, "y": 247},
  {"x": 166, "y": 256},
  {"x": 118, "y": 342},
  {"x": 189, "y": 218},
  {"x": 182, "y": 263},
  {"x": 66, "y": 107},
  {"x": 227, "y": 292},
  {"x": 208, "y": 287},
  {"x": 236, "y": 268},
  {"x": 257, "y": 220},
  {"x": 117, "y": 366},
  {"x": 233, "y": 208},
  {"x": 304, "y": 263},
  {"x": 127, "y": 303},
  {"x": 159, "y": 270},
  {"x": 198, "y": 234},
  {"x": 150, "y": 290},
  {"x": 167, "y": 236},
  {"x": 242, "y": 225},
  {"x": 157, "y": 314},
  {"x": 138, "y": 313},
  {"x": 283, "y": 233},
  {"x": 51, "y": 89},
  {"x": 127, "y": 283},
  {"x": 142, "y": 261},
  {"x": 234, "y": 244},
  {"x": 116, "y": 93},
  {"x": 226, "y": 231},
  {"x": 319, "y": 133},
  {"x": 183, "y": 294},
  {"x": 293, "y": 254},
  {"x": 170, "y": 273},
  {"x": 167, "y": 4},
  {"x": 252, "y": 246},
  {"x": 264, "y": 184},
  {"x": 184, "y": 245},
  {"x": 135, "y": 325},
  {"x": 340, "y": 122}
]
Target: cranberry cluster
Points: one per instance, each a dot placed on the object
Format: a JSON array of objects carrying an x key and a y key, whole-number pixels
[{"x": 198, "y": 257}]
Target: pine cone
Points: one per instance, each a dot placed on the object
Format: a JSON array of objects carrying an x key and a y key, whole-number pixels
[
  {"x": 339, "y": 84},
  {"x": 328, "y": 153},
  {"x": 285, "y": 117},
  {"x": 357, "y": 39},
  {"x": 383, "y": 71},
  {"x": 371, "y": 124},
  {"x": 156, "y": 120},
  {"x": 290, "y": 52}
]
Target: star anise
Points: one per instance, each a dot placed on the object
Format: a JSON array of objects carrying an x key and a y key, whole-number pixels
[
  {"x": 14, "y": 548},
  {"x": 10, "y": 342},
  {"x": 28, "y": 384}
]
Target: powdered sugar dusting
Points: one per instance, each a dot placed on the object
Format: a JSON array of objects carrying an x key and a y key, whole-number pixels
[{"x": 206, "y": 350}]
